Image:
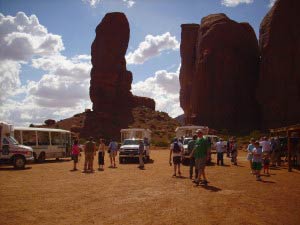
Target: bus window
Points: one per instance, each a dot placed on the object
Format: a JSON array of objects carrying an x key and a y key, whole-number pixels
[
  {"x": 56, "y": 138},
  {"x": 43, "y": 138},
  {"x": 17, "y": 135},
  {"x": 64, "y": 139},
  {"x": 29, "y": 138}
]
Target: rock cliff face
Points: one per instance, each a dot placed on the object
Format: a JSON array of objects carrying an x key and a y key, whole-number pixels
[
  {"x": 110, "y": 81},
  {"x": 189, "y": 33},
  {"x": 279, "y": 85},
  {"x": 224, "y": 75}
]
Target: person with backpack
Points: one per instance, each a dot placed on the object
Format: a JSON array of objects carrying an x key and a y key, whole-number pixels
[
  {"x": 200, "y": 152},
  {"x": 176, "y": 150},
  {"x": 190, "y": 148}
]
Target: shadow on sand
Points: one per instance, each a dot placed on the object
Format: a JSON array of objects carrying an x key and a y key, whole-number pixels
[
  {"x": 13, "y": 169},
  {"x": 210, "y": 188}
]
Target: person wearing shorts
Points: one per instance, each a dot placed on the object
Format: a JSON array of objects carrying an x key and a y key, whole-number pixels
[
  {"x": 257, "y": 160},
  {"x": 113, "y": 151},
  {"x": 101, "y": 154},
  {"x": 176, "y": 150},
  {"x": 200, "y": 152},
  {"x": 89, "y": 152},
  {"x": 75, "y": 154},
  {"x": 250, "y": 155}
]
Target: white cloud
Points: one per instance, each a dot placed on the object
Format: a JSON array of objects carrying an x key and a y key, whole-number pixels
[
  {"x": 129, "y": 3},
  {"x": 22, "y": 37},
  {"x": 272, "y": 2},
  {"x": 233, "y": 3},
  {"x": 163, "y": 87},
  {"x": 92, "y": 3},
  {"x": 9, "y": 79},
  {"x": 151, "y": 47}
]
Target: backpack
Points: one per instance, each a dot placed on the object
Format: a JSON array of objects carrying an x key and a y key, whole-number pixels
[{"x": 176, "y": 147}]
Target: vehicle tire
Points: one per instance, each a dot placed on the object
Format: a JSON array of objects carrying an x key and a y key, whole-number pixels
[
  {"x": 57, "y": 159},
  {"x": 19, "y": 162},
  {"x": 42, "y": 157}
]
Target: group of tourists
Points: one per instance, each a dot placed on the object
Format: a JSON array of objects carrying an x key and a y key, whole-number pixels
[
  {"x": 90, "y": 149},
  {"x": 198, "y": 149}
]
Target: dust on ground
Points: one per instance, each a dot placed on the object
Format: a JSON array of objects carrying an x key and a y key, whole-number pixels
[{"x": 50, "y": 193}]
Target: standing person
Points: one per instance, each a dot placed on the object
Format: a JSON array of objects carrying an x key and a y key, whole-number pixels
[
  {"x": 250, "y": 155},
  {"x": 234, "y": 152},
  {"x": 220, "y": 148},
  {"x": 190, "y": 147},
  {"x": 266, "y": 145},
  {"x": 113, "y": 148},
  {"x": 89, "y": 152},
  {"x": 141, "y": 154},
  {"x": 101, "y": 154},
  {"x": 266, "y": 161},
  {"x": 200, "y": 153},
  {"x": 257, "y": 160},
  {"x": 176, "y": 150},
  {"x": 228, "y": 148},
  {"x": 147, "y": 148},
  {"x": 75, "y": 154}
]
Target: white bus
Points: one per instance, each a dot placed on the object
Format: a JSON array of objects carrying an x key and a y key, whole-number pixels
[{"x": 45, "y": 142}]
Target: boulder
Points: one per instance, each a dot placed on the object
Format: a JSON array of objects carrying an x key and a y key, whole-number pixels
[
  {"x": 225, "y": 74},
  {"x": 279, "y": 83}
]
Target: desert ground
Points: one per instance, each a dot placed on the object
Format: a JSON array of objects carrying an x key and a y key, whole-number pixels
[{"x": 50, "y": 193}]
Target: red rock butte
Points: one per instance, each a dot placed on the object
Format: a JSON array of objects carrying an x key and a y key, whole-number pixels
[{"x": 110, "y": 83}]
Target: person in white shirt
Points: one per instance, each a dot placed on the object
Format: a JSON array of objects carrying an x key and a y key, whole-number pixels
[
  {"x": 220, "y": 148},
  {"x": 266, "y": 146}
]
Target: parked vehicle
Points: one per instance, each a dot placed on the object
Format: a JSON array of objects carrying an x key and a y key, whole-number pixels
[
  {"x": 130, "y": 139},
  {"x": 11, "y": 152},
  {"x": 189, "y": 131},
  {"x": 45, "y": 142}
]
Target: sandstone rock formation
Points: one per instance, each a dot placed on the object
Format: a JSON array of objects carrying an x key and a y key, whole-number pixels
[
  {"x": 224, "y": 75},
  {"x": 189, "y": 33},
  {"x": 279, "y": 85},
  {"x": 110, "y": 81}
]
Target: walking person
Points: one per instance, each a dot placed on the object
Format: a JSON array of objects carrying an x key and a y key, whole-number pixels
[
  {"x": 147, "y": 148},
  {"x": 190, "y": 147},
  {"x": 176, "y": 150},
  {"x": 101, "y": 154},
  {"x": 250, "y": 154},
  {"x": 200, "y": 153},
  {"x": 75, "y": 154},
  {"x": 257, "y": 160},
  {"x": 266, "y": 145},
  {"x": 141, "y": 154},
  {"x": 113, "y": 151},
  {"x": 89, "y": 153},
  {"x": 220, "y": 148}
]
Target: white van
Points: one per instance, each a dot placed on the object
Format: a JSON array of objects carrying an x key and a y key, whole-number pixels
[
  {"x": 130, "y": 139},
  {"x": 189, "y": 131},
  {"x": 11, "y": 151},
  {"x": 45, "y": 142}
]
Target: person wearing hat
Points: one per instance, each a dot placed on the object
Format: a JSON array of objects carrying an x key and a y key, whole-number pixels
[
  {"x": 220, "y": 148},
  {"x": 200, "y": 152}
]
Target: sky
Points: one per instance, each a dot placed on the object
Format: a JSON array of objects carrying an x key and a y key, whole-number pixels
[{"x": 45, "y": 51}]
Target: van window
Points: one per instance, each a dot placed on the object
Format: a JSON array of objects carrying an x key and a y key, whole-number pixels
[
  {"x": 29, "y": 138},
  {"x": 56, "y": 138},
  {"x": 17, "y": 135},
  {"x": 43, "y": 138}
]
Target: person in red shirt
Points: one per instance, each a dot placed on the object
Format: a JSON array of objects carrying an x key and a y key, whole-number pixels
[{"x": 75, "y": 154}]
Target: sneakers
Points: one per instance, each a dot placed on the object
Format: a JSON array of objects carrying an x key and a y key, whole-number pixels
[{"x": 204, "y": 182}]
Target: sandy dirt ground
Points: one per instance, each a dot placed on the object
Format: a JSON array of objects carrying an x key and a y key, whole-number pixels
[{"x": 50, "y": 193}]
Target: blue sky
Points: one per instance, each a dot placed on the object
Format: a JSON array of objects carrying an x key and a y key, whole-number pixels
[{"x": 52, "y": 82}]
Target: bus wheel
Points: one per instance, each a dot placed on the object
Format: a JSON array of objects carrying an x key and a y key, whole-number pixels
[
  {"x": 19, "y": 162},
  {"x": 42, "y": 157},
  {"x": 57, "y": 159}
]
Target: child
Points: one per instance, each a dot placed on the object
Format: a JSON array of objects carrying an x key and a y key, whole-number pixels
[
  {"x": 75, "y": 154},
  {"x": 101, "y": 154},
  {"x": 266, "y": 163},
  {"x": 256, "y": 160}
]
